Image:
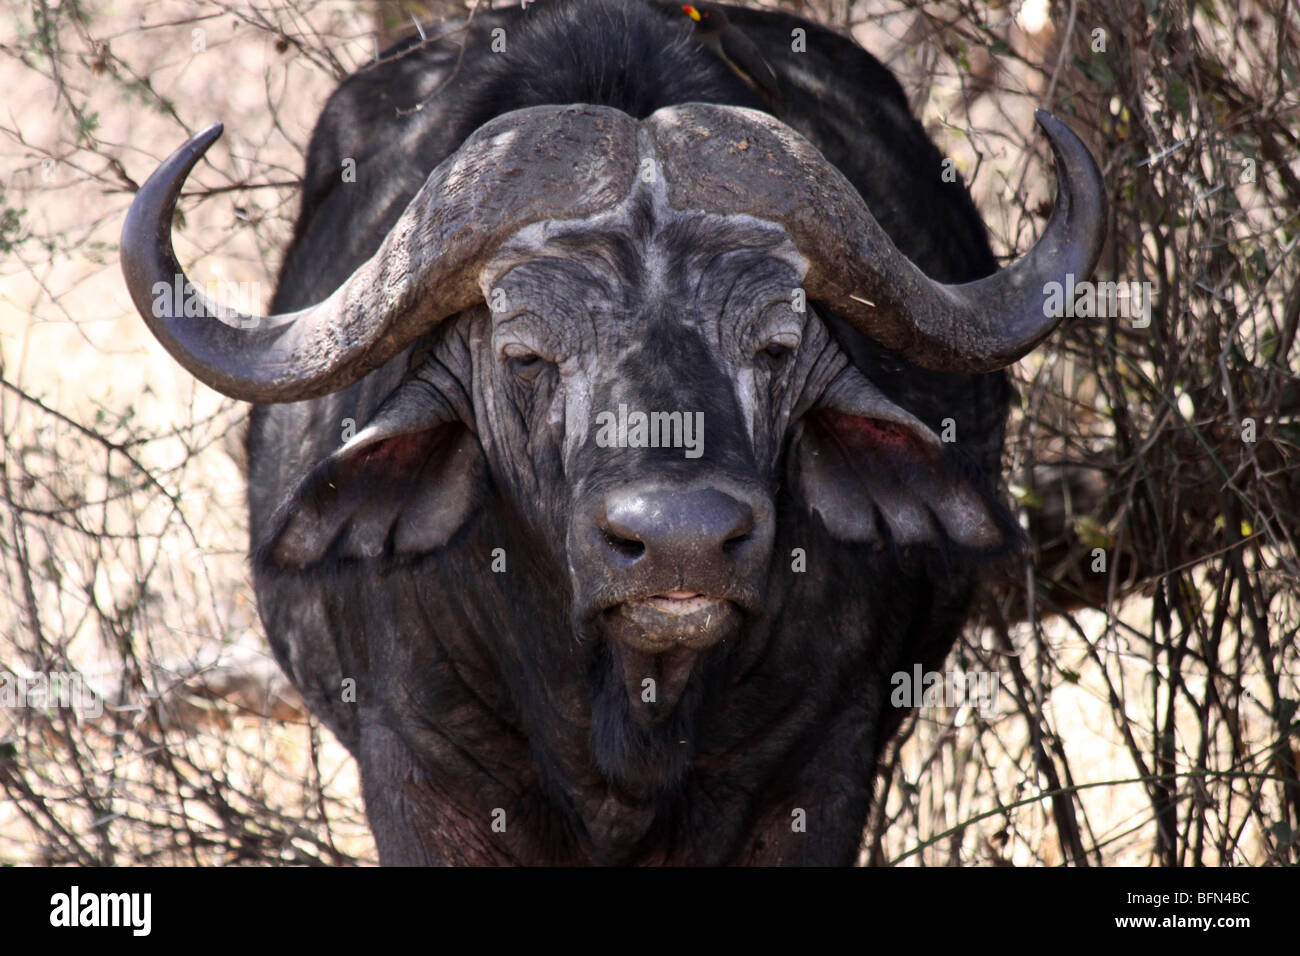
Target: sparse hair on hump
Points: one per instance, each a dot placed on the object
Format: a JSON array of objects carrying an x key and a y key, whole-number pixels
[{"x": 617, "y": 53}]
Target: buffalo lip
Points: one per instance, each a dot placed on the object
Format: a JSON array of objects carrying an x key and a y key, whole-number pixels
[
  {"x": 673, "y": 619},
  {"x": 680, "y": 602}
]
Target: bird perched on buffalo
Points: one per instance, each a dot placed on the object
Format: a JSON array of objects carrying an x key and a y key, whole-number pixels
[{"x": 718, "y": 34}]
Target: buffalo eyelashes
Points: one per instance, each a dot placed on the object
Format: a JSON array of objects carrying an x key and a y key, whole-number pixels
[
  {"x": 778, "y": 349},
  {"x": 523, "y": 361},
  {"x": 528, "y": 367}
]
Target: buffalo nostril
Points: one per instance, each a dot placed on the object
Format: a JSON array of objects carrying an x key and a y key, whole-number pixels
[
  {"x": 627, "y": 547},
  {"x": 675, "y": 525},
  {"x": 735, "y": 543}
]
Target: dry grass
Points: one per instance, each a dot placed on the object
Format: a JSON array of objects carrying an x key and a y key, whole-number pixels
[
  {"x": 1147, "y": 714},
  {"x": 123, "y": 522}
]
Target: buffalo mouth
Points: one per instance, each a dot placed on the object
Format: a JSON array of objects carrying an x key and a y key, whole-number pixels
[
  {"x": 680, "y": 602},
  {"x": 681, "y": 619},
  {"x": 656, "y": 641}
]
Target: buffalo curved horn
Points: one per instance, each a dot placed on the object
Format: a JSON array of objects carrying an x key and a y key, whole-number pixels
[
  {"x": 573, "y": 162},
  {"x": 540, "y": 163},
  {"x": 732, "y": 160}
]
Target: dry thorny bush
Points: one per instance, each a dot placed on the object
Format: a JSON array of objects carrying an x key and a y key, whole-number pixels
[{"x": 1146, "y": 651}]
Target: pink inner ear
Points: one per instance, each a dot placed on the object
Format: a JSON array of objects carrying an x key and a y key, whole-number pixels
[
  {"x": 875, "y": 433},
  {"x": 396, "y": 454}
]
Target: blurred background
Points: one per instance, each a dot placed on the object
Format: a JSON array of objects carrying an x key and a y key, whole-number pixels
[{"x": 1146, "y": 650}]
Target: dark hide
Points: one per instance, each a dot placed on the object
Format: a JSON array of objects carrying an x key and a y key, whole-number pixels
[{"x": 489, "y": 696}]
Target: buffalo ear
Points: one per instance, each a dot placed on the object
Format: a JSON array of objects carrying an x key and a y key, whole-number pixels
[
  {"x": 876, "y": 474},
  {"x": 405, "y": 484}
]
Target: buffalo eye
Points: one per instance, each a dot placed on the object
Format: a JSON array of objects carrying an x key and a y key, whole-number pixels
[
  {"x": 779, "y": 348},
  {"x": 523, "y": 361}
]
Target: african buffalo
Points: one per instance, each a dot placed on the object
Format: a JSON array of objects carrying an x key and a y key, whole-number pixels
[{"x": 646, "y": 497}]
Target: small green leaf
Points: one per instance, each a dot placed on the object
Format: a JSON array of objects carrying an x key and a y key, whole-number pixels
[{"x": 1179, "y": 98}]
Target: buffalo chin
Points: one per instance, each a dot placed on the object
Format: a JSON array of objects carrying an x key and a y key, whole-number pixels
[
  {"x": 648, "y": 683},
  {"x": 644, "y": 747},
  {"x": 655, "y": 642}
]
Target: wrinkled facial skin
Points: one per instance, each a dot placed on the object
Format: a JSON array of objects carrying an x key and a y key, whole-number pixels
[
  {"x": 699, "y": 317},
  {"x": 701, "y": 311}
]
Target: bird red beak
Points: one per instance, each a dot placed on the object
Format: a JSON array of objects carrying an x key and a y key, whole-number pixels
[{"x": 691, "y": 12}]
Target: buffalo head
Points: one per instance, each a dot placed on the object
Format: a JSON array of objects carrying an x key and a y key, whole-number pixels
[{"x": 637, "y": 365}]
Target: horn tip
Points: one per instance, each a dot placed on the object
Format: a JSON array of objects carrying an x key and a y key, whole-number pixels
[
  {"x": 1048, "y": 122},
  {"x": 208, "y": 135}
]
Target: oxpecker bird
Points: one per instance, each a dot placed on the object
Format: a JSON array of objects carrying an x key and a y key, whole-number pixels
[{"x": 715, "y": 31}]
